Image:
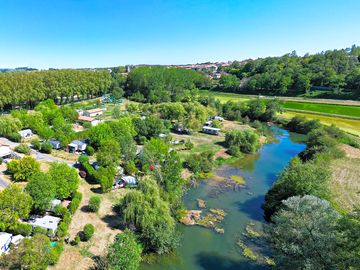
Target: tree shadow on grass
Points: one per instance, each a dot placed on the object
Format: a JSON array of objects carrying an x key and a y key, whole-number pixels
[
  {"x": 252, "y": 207},
  {"x": 114, "y": 221},
  {"x": 96, "y": 190},
  {"x": 213, "y": 261}
]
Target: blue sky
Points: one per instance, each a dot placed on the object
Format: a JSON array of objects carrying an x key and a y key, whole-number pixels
[{"x": 98, "y": 33}]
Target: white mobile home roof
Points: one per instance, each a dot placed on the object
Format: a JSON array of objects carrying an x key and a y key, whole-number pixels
[
  {"x": 5, "y": 151},
  {"x": 210, "y": 128},
  {"x": 46, "y": 222}
]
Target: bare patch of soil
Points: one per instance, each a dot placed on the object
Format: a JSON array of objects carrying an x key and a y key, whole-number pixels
[{"x": 350, "y": 151}]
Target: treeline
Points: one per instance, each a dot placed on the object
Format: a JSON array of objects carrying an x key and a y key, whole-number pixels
[
  {"x": 308, "y": 229},
  {"x": 293, "y": 75},
  {"x": 161, "y": 84},
  {"x": 27, "y": 88}
]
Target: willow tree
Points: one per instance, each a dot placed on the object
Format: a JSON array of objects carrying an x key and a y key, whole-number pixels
[{"x": 150, "y": 214}]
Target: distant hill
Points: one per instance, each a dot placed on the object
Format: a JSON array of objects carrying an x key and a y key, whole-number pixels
[{"x": 17, "y": 69}]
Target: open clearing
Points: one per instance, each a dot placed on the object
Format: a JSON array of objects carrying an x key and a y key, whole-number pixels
[
  {"x": 345, "y": 183},
  {"x": 106, "y": 224},
  {"x": 349, "y": 125}
]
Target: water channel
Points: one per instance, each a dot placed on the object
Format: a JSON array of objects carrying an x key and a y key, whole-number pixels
[{"x": 203, "y": 248}]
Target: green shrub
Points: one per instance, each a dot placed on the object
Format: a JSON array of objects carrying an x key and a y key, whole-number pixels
[
  {"x": 24, "y": 229},
  {"x": 189, "y": 145},
  {"x": 46, "y": 148},
  {"x": 1, "y": 160},
  {"x": 130, "y": 167},
  {"x": 60, "y": 210},
  {"x": 39, "y": 230},
  {"x": 67, "y": 218},
  {"x": 36, "y": 144},
  {"x": 83, "y": 159},
  {"x": 88, "y": 232},
  {"x": 76, "y": 240},
  {"x": 200, "y": 162},
  {"x": 62, "y": 229},
  {"x": 23, "y": 148},
  {"x": 75, "y": 202},
  {"x": 94, "y": 203},
  {"x": 14, "y": 137},
  {"x": 55, "y": 253},
  {"x": 90, "y": 150}
]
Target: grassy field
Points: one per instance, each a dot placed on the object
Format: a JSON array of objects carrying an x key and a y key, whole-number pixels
[
  {"x": 348, "y": 125},
  {"x": 224, "y": 97},
  {"x": 345, "y": 110},
  {"x": 345, "y": 185}
]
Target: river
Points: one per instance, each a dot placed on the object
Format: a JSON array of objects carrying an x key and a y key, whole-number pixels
[{"x": 203, "y": 248}]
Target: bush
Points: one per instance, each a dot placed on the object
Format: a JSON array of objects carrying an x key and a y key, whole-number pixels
[
  {"x": 130, "y": 167},
  {"x": 55, "y": 253},
  {"x": 1, "y": 160},
  {"x": 46, "y": 148},
  {"x": 83, "y": 159},
  {"x": 60, "y": 210},
  {"x": 189, "y": 145},
  {"x": 14, "y": 137},
  {"x": 36, "y": 144},
  {"x": 76, "y": 240},
  {"x": 88, "y": 232},
  {"x": 62, "y": 230},
  {"x": 200, "y": 162},
  {"x": 94, "y": 203},
  {"x": 90, "y": 150},
  {"x": 23, "y": 148},
  {"x": 39, "y": 230},
  {"x": 75, "y": 203},
  {"x": 24, "y": 229}
]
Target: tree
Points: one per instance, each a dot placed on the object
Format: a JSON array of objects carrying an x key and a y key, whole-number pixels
[
  {"x": 297, "y": 179},
  {"x": 348, "y": 241},
  {"x": 229, "y": 83},
  {"x": 65, "y": 178},
  {"x": 42, "y": 189},
  {"x": 9, "y": 125},
  {"x": 256, "y": 108},
  {"x": 109, "y": 153},
  {"x": 106, "y": 177},
  {"x": 99, "y": 134},
  {"x": 125, "y": 252},
  {"x": 15, "y": 204},
  {"x": 24, "y": 168},
  {"x": 272, "y": 108},
  {"x": 32, "y": 253},
  {"x": 151, "y": 215},
  {"x": 247, "y": 141},
  {"x": 303, "y": 234}
]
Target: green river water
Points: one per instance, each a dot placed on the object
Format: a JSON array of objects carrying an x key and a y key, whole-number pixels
[{"x": 203, "y": 248}]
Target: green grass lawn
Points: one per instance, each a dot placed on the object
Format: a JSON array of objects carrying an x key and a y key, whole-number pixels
[{"x": 345, "y": 110}]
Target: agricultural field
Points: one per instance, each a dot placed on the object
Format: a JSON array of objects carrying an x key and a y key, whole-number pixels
[
  {"x": 344, "y": 110},
  {"x": 349, "y": 125},
  {"x": 224, "y": 97}
]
